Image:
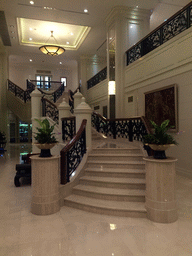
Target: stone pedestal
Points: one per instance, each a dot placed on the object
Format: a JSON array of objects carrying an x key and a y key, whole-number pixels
[
  {"x": 160, "y": 190},
  {"x": 45, "y": 185}
]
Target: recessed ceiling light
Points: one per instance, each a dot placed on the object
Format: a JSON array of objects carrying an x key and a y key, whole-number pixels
[
  {"x": 71, "y": 34},
  {"x": 30, "y": 29},
  {"x": 85, "y": 10},
  {"x": 30, "y": 39},
  {"x": 67, "y": 42},
  {"x": 31, "y": 2},
  {"x": 30, "y": 60},
  {"x": 137, "y": 6},
  {"x": 60, "y": 62}
]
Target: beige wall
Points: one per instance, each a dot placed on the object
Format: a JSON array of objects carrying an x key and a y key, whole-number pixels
[
  {"x": 98, "y": 96},
  {"x": 169, "y": 64},
  {"x": 18, "y": 74}
]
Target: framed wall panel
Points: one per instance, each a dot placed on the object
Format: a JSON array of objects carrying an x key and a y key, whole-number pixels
[{"x": 161, "y": 104}]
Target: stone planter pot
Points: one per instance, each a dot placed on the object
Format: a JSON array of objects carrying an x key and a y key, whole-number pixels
[
  {"x": 159, "y": 150},
  {"x": 45, "y": 149}
]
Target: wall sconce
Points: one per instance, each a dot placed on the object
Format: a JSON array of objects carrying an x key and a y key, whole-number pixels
[{"x": 111, "y": 87}]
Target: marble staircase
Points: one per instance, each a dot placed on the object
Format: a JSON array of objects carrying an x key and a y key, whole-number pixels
[{"x": 113, "y": 183}]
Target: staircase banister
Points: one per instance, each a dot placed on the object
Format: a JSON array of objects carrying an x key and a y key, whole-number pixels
[
  {"x": 9, "y": 81},
  {"x": 147, "y": 124},
  {"x": 162, "y": 24},
  {"x": 44, "y": 99},
  {"x": 102, "y": 117},
  {"x": 75, "y": 138}
]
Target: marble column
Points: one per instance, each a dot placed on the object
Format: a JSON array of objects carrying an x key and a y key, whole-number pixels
[
  {"x": 45, "y": 185},
  {"x": 160, "y": 189},
  {"x": 125, "y": 27}
]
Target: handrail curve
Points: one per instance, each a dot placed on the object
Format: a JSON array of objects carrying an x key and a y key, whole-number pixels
[{"x": 72, "y": 153}]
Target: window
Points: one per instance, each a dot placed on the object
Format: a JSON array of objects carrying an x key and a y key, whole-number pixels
[
  {"x": 64, "y": 80},
  {"x": 43, "y": 81}
]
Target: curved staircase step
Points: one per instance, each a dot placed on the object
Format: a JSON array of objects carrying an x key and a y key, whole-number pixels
[
  {"x": 116, "y": 151},
  {"x": 116, "y": 157},
  {"x": 110, "y": 193},
  {"x": 116, "y": 208},
  {"x": 116, "y": 164},
  {"x": 115, "y": 172},
  {"x": 111, "y": 182}
]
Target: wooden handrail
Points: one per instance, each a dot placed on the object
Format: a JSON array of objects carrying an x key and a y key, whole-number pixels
[
  {"x": 145, "y": 121},
  {"x": 147, "y": 124},
  {"x": 63, "y": 153},
  {"x": 45, "y": 99},
  {"x": 71, "y": 143}
]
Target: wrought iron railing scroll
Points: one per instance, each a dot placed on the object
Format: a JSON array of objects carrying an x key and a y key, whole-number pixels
[
  {"x": 68, "y": 128},
  {"x": 49, "y": 109},
  {"x": 23, "y": 95},
  {"x": 100, "y": 76},
  {"x": 72, "y": 153},
  {"x": 176, "y": 24},
  {"x": 134, "y": 128}
]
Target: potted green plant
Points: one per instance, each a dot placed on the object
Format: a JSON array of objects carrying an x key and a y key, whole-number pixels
[
  {"x": 160, "y": 140},
  {"x": 3, "y": 141},
  {"x": 45, "y": 137}
]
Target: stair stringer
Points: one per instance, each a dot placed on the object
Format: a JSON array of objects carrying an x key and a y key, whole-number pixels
[{"x": 19, "y": 108}]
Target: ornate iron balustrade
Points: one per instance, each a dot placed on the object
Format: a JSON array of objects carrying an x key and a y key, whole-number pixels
[
  {"x": 57, "y": 94},
  {"x": 131, "y": 128},
  {"x": 68, "y": 128},
  {"x": 176, "y": 24},
  {"x": 100, "y": 76},
  {"x": 49, "y": 109},
  {"x": 54, "y": 96},
  {"x": 19, "y": 92},
  {"x": 72, "y": 154}
]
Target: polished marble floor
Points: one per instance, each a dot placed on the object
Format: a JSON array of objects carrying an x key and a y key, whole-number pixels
[{"x": 72, "y": 232}]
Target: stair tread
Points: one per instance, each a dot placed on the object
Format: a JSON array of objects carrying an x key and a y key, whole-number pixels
[
  {"x": 123, "y": 155},
  {"x": 116, "y": 162},
  {"x": 114, "y": 170},
  {"x": 111, "y": 191},
  {"x": 111, "y": 179},
  {"x": 105, "y": 148},
  {"x": 113, "y": 205}
]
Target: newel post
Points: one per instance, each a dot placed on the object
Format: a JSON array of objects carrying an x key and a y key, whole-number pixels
[
  {"x": 35, "y": 114},
  {"x": 77, "y": 99},
  {"x": 83, "y": 111}
]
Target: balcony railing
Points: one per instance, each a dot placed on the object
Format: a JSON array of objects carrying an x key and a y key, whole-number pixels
[
  {"x": 100, "y": 76},
  {"x": 176, "y": 24}
]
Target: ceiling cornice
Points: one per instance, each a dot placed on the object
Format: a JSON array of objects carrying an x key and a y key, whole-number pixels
[{"x": 132, "y": 14}]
